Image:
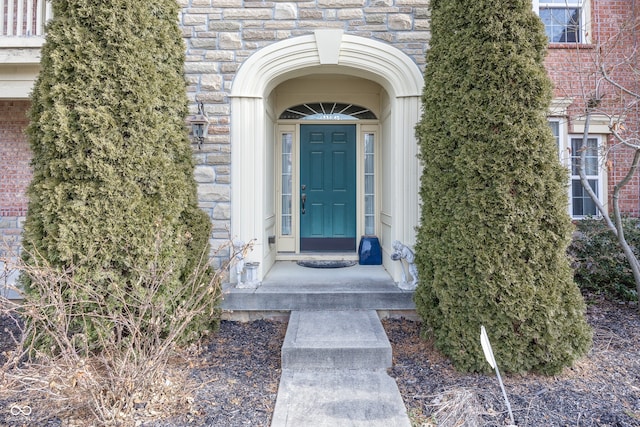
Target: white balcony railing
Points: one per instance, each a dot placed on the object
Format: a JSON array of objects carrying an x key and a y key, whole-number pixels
[{"x": 24, "y": 18}]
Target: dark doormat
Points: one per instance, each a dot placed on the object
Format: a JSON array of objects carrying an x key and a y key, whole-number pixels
[{"x": 327, "y": 264}]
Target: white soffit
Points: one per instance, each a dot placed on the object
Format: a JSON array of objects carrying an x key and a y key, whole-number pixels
[
  {"x": 15, "y": 89},
  {"x": 16, "y": 81}
]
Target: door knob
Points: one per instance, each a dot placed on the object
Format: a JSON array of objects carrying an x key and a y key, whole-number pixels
[{"x": 303, "y": 198}]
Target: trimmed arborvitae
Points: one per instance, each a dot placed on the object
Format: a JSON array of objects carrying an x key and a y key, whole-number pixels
[
  {"x": 113, "y": 194},
  {"x": 494, "y": 225}
]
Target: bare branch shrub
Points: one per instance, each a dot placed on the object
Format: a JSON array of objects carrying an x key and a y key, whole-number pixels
[
  {"x": 457, "y": 407},
  {"x": 131, "y": 375}
]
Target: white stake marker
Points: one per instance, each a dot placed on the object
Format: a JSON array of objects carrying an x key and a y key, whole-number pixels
[{"x": 488, "y": 354}]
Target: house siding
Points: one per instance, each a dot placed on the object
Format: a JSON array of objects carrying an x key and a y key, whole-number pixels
[
  {"x": 221, "y": 34},
  {"x": 15, "y": 173},
  {"x": 571, "y": 67}
]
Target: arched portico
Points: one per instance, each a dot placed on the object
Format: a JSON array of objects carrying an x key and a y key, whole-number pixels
[{"x": 252, "y": 129}]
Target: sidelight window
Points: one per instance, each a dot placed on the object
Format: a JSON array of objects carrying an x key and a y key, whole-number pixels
[
  {"x": 369, "y": 184},
  {"x": 287, "y": 185}
]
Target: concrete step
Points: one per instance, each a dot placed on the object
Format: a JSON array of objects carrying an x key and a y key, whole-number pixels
[
  {"x": 345, "y": 398},
  {"x": 318, "y": 297},
  {"x": 289, "y": 286},
  {"x": 335, "y": 340},
  {"x": 334, "y": 373}
]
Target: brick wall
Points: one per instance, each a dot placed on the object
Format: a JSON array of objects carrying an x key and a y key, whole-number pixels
[
  {"x": 15, "y": 173},
  {"x": 573, "y": 69}
]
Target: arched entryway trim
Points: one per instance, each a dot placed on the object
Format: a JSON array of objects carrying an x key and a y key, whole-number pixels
[
  {"x": 357, "y": 56},
  {"x": 323, "y": 52}
]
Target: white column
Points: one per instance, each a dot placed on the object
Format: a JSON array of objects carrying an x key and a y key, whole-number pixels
[
  {"x": 407, "y": 169},
  {"x": 40, "y": 19},
  {"x": 405, "y": 175},
  {"x": 247, "y": 173},
  {"x": 19, "y": 21}
]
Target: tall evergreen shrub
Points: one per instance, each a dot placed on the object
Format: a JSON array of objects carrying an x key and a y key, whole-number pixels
[
  {"x": 113, "y": 194},
  {"x": 494, "y": 225}
]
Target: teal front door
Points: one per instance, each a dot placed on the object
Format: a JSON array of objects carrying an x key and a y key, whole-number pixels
[{"x": 328, "y": 187}]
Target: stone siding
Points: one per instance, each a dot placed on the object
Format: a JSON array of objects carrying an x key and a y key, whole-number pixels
[{"x": 220, "y": 34}]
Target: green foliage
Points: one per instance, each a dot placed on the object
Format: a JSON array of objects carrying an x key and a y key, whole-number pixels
[
  {"x": 600, "y": 265},
  {"x": 113, "y": 191},
  {"x": 494, "y": 225}
]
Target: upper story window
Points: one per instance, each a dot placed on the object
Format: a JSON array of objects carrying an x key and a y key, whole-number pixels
[{"x": 564, "y": 20}]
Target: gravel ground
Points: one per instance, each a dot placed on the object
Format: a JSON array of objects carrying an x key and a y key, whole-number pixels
[{"x": 237, "y": 372}]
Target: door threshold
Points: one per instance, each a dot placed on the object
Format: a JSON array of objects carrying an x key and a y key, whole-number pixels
[{"x": 319, "y": 256}]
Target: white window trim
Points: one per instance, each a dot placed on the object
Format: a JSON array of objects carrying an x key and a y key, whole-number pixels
[
  {"x": 564, "y": 156},
  {"x": 601, "y": 176},
  {"x": 585, "y": 14},
  {"x": 287, "y": 242},
  {"x": 372, "y": 129}
]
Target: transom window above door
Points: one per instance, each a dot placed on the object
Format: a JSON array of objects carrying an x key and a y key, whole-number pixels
[{"x": 327, "y": 111}]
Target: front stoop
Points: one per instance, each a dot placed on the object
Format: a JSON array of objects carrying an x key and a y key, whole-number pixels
[
  {"x": 295, "y": 296},
  {"x": 290, "y": 287},
  {"x": 334, "y": 373}
]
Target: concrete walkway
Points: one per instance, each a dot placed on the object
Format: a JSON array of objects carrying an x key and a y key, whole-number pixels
[{"x": 334, "y": 373}]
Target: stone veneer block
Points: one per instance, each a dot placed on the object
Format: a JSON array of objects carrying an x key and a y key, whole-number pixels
[
  {"x": 253, "y": 13},
  {"x": 350, "y": 14},
  {"x": 339, "y": 4},
  {"x": 230, "y": 41},
  {"x": 213, "y": 192},
  {"x": 226, "y": 3},
  {"x": 286, "y": 11},
  {"x": 204, "y": 174},
  {"x": 400, "y": 22}
]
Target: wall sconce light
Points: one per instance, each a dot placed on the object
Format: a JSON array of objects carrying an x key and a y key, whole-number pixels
[{"x": 199, "y": 125}]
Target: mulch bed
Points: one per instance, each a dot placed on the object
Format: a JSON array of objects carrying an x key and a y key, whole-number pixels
[
  {"x": 238, "y": 369},
  {"x": 602, "y": 389}
]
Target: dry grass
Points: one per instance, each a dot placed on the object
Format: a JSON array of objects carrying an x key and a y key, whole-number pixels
[{"x": 134, "y": 373}]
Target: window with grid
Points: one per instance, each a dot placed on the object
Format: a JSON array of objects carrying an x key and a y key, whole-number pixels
[
  {"x": 563, "y": 20},
  {"x": 369, "y": 185},
  {"x": 581, "y": 204},
  {"x": 555, "y": 130},
  {"x": 286, "y": 185}
]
